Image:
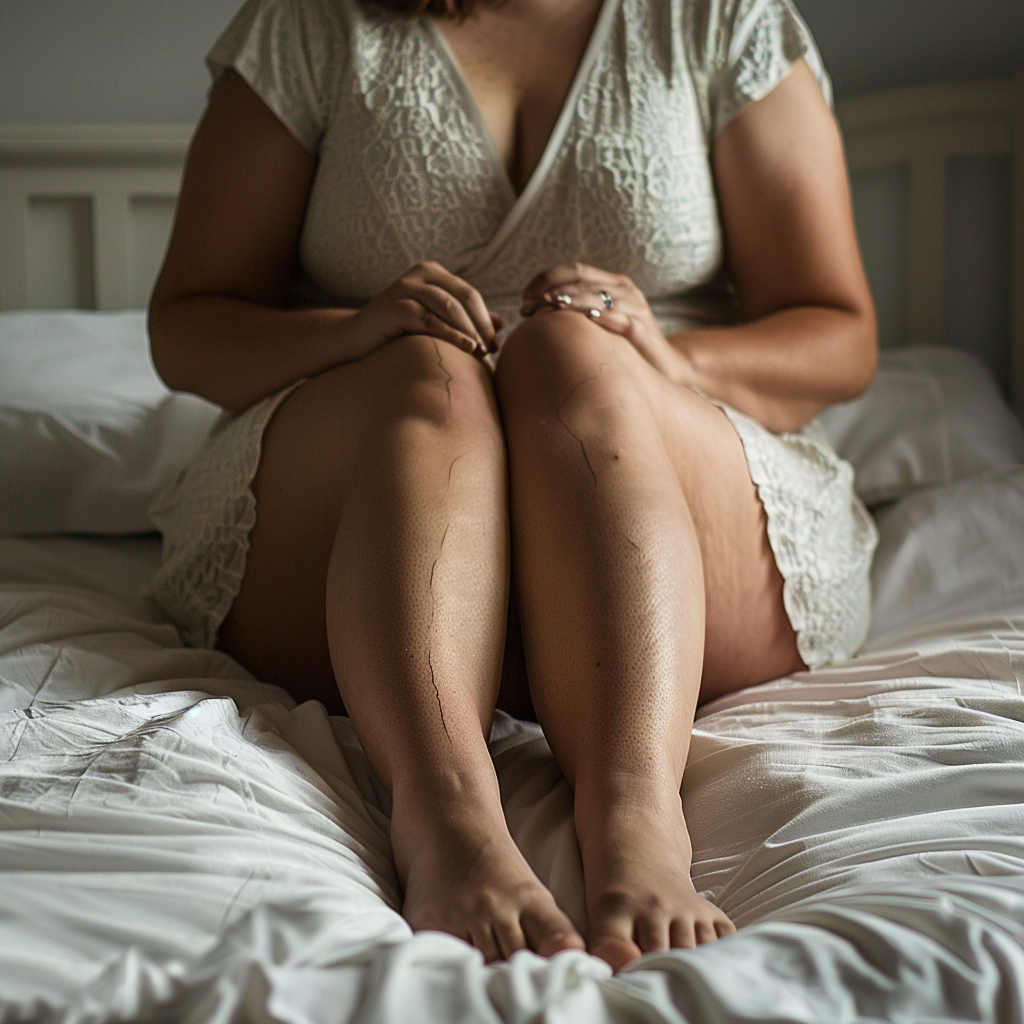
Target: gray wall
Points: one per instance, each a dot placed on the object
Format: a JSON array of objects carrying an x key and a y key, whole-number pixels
[
  {"x": 106, "y": 61},
  {"x": 881, "y": 44},
  {"x": 92, "y": 61}
]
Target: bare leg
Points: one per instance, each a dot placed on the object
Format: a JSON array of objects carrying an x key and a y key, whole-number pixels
[
  {"x": 382, "y": 499},
  {"x": 643, "y": 568}
]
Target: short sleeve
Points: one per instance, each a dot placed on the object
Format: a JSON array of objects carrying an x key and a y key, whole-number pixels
[
  {"x": 289, "y": 52},
  {"x": 748, "y": 48}
]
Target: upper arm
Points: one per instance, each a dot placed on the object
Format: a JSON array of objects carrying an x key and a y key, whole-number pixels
[
  {"x": 242, "y": 203},
  {"x": 785, "y": 203}
]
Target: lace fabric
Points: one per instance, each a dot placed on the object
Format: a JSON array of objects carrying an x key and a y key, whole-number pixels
[
  {"x": 822, "y": 536},
  {"x": 407, "y": 171},
  {"x": 205, "y": 518}
]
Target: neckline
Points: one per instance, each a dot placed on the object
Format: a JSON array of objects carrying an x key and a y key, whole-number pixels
[{"x": 520, "y": 202}]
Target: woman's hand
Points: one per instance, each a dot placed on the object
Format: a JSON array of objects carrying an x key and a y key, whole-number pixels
[
  {"x": 614, "y": 302},
  {"x": 429, "y": 300}
]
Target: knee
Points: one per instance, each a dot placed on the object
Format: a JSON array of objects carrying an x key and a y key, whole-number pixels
[
  {"x": 433, "y": 382},
  {"x": 557, "y": 359}
]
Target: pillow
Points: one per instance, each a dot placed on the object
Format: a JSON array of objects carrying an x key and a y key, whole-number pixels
[
  {"x": 88, "y": 433},
  {"x": 949, "y": 558},
  {"x": 932, "y": 415}
]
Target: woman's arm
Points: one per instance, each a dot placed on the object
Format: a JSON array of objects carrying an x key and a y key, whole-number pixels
[
  {"x": 215, "y": 319},
  {"x": 217, "y": 322},
  {"x": 809, "y": 337}
]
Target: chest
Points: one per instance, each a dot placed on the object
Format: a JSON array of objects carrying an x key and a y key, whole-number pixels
[
  {"x": 519, "y": 71},
  {"x": 409, "y": 167}
]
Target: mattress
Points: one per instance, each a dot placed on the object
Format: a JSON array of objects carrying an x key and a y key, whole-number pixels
[{"x": 180, "y": 842}]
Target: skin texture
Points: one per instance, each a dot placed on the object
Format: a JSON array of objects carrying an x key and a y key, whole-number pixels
[{"x": 403, "y": 485}]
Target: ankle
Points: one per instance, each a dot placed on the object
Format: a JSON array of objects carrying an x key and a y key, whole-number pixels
[
  {"x": 625, "y": 808},
  {"x": 611, "y": 792}
]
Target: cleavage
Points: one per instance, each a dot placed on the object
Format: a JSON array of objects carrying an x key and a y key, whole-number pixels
[{"x": 520, "y": 71}]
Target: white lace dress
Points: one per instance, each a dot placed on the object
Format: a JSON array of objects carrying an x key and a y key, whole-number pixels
[{"x": 407, "y": 171}]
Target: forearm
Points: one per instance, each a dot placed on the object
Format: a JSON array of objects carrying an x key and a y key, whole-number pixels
[
  {"x": 785, "y": 368},
  {"x": 233, "y": 352}
]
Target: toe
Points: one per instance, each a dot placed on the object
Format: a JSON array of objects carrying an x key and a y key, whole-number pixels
[
  {"x": 704, "y": 931},
  {"x": 510, "y": 936},
  {"x": 482, "y": 936},
  {"x": 555, "y": 942},
  {"x": 549, "y": 931},
  {"x": 652, "y": 932},
  {"x": 681, "y": 934},
  {"x": 616, "y": 951}
]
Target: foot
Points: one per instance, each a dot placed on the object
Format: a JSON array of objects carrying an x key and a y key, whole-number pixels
[
  {"x": 463, "y": 874},
  {"x": 636, "y": 859}
]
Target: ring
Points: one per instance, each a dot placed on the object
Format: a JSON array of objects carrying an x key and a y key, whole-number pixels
[
  {"x": 609, "y": 302},
  {"x": 563, "y": 300}
]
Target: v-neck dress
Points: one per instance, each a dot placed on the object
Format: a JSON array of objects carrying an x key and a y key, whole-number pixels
[{"x": 407, "y": 171}]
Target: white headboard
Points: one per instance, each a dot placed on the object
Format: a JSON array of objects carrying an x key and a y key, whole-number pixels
[
  {"x": 922, "y": 131},
  {"x": 85, "y": 212}
]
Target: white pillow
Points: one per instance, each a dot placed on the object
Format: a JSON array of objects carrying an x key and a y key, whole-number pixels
[
  {"x": 932, "y": 415},
  {"x": 949, "y": 555},
  {"x": 88, "y": 433}
]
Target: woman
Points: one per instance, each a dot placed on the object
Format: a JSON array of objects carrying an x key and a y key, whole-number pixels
[{"x": 377, "y": 201}]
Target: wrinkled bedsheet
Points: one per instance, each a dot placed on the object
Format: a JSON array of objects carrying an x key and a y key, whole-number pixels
[{"x": 182, "y": 843}]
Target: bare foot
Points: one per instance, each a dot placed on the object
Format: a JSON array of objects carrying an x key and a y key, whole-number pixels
[
  {"x": 637, "y": 875},
  {"x": 463, "y": 874}
]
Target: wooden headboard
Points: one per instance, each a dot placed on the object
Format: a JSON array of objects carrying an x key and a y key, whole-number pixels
[{"x": 85, "y": 212}]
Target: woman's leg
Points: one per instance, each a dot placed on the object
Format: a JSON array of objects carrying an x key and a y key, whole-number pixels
[
  {"x": 646, "y": 584},
  {"x": 379, "y": 563}
]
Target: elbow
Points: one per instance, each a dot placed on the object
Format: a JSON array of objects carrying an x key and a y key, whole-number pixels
[
  {"x": 862, "y": 349},
  {"x": 165, "y": 346}
]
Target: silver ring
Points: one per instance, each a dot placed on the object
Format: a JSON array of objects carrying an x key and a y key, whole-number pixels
[
  {"x": 563, "y": 300},
  {"x": 609, "y": 302}
]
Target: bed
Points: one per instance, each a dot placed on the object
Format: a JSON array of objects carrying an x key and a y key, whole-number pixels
[{"x": 180, "y": 842}]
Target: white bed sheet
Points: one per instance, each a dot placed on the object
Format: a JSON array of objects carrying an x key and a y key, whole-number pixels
[{"x": 179, "y": 842}]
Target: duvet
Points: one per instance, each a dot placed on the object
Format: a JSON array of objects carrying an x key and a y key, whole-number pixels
[{"x": 180, "y": 842}]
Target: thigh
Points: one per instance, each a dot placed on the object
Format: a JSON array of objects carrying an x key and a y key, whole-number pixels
[
  {"x": 277, "y": 624},
  {"x": 748, "y": 636}
]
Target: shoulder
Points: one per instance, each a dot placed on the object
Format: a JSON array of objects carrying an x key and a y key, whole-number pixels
[
  {"x": 295, "y": 54},
  {"x": 310, "y": 27},
  {"x": 740, "y": 50}
]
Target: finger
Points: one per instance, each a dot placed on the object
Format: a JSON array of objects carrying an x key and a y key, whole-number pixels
[
  {"x": 575, "y": 295},
  {"x": 415, "y": 319},
  {"x": 611, "y": 320},
  {"x": 465, "y": 294},
  {"x": 510, "y": 937},
  {"x": 681, "y": 934},
  {"x": 579, "y": 275},
  {"x": 582, "y": 296},
  {"x": 567, "y": 273},
  {"x": 447, "y": 307}
]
